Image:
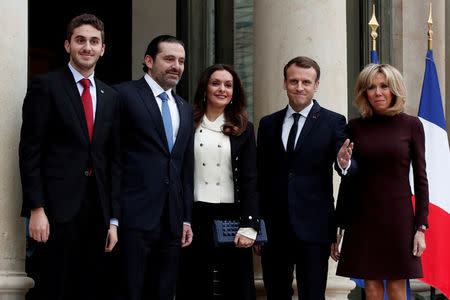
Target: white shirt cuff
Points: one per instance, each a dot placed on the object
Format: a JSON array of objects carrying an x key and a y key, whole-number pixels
[
  {"x": 114, "y": 221},
  {"x": 187, "y": 223},
  {"x": 344, "y": 171},
  {"x": 248, "y": 232}
]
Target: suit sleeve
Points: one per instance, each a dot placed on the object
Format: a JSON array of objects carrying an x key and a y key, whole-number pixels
[
  {"x": 187, "y": 175},
  {"x": 341, "y": 134},
  {"x": 260, "y": 166},
  {"x": 35, "y": 119},
  {"x": 248, "y": 181},
  {"x": 420, "y": 173},
  {"x": 116, "y": 163}
]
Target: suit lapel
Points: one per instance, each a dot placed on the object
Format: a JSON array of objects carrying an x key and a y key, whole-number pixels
[
  {"x": 150, "y": 103},
  {"x": 279, "y": 120},
  {"x": 99, "y": 112},
  {"x": 73, "y": 94},
  {"x": 184, "y": 118},
  {"x": 310, "y": 122}
]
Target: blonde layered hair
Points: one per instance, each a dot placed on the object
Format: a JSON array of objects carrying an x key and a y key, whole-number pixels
[{"x": 394, "y": 81}]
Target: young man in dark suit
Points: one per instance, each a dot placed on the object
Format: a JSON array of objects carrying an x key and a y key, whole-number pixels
[
  {"x": 157, "y": 132},
  {"x": 70, "y": 168},
  {"x": 297, "y": 147}
]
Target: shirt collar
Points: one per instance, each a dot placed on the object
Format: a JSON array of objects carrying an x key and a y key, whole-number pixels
[
  {"x": 155, "y": 87},
  {"x": 304, "y": 112},
  {"x": 215, "y": 125},
  {"x": 78, "y": 76}
]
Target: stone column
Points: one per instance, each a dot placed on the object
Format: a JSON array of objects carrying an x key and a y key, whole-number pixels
[
  {"x": 309, "y": 28},
  {"x": 13, "y": 80}
]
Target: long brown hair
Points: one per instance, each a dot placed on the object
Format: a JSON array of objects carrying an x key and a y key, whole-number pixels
[{"x": 236, "y": 117}]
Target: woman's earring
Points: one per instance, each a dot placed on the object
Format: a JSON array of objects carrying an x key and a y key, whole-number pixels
[
  {"x": 204, "y": 98},
  {"x": 231, "y": 102}
]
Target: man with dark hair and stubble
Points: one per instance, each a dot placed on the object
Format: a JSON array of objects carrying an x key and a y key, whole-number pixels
[
  {"x": 70, "y": 169},
  {"x": 157, "y": 131},
  {"x": 297, "y": 148}
]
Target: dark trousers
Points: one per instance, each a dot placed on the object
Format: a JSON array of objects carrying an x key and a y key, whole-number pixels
[
  {"x": 150, "y": 261},
  {"x": 207, "y": 272},
  {"x": 70, "y": 264},
  {"x": 311, "y": 260}
]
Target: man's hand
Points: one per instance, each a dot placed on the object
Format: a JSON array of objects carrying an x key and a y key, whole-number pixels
[
  {"x": 241, "y": 241},
  {"x": 187, "y": 236},
  {"x": 345, "y": 154},
  {"x": 111, "y": 238},
  {"x": 335, "y": 254},
  {"x": 39, "y": 227},
  {"x": 419, "y": 243}
]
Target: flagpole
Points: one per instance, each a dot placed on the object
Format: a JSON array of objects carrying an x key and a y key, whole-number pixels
[
  {"x": 373, "y": 23},
  {"x": 430, "y": 47},
  {"x": 430, "y": 32}
]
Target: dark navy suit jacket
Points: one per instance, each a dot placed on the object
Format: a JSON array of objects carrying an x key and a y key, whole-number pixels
[
  {"x": 153, "y": 177},
  {"x": 299, "y": 194}
]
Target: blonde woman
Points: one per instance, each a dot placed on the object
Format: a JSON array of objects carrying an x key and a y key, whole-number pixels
[{"x": 384, "y": 236}]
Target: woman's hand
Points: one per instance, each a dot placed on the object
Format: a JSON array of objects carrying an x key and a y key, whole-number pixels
[
  {"x": 241, "y": 241},
  {"x": 334, "y": 253},
  {"x": 419, "y": 243}
]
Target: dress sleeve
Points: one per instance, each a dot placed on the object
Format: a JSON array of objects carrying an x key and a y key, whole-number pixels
[{"x": 420, "y": 173}]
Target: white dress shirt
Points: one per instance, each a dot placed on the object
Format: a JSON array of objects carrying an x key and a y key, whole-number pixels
[
  {"x": 289, "y": 121},
  {"x": 213, "y": 175},
  {"x": 174, "y": 114},
  {"x": 77, "y": 76}
]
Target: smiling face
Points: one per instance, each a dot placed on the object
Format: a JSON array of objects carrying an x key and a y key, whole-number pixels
[
  {"x": 168, "y": 66},
  {"x": 220, "y": 89},
  {"x": 85, "y": 48},
  {"x": 300, "y": 85},
  {"x": 379, "y": 94}
]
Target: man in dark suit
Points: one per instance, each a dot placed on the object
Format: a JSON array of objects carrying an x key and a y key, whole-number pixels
[
  {"x": 70, "y": 168},
  {"x": 157, "y": 150},
  {"x": 297, "y": 147}
]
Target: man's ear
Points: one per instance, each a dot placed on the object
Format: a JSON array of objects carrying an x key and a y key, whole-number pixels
[
  {"x": 67, "y": 46},
  {"x": 316, "y": 86},
  {"x": 285, "y": 84},
  {"x": 148, "y": 61}
]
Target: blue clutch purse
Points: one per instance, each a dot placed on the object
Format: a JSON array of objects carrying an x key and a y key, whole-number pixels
[{"x": 225, "y": 231}]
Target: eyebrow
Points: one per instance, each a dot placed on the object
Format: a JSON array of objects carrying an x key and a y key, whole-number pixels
[{"x": 84, "y": 37}]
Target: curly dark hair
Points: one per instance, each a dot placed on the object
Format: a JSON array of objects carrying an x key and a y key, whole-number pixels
[{"x": 236, "y": 117}]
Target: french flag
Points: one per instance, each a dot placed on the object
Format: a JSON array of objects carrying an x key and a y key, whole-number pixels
[{"x": 436, "y": 258}]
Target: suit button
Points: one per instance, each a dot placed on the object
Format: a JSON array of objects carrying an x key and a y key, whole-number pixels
[
  {"x": 201, "y": 144},
  {"x": 291, "y": 174},
  {"x": 86, "y": 173},
  {"x": 166, "y": 181}
]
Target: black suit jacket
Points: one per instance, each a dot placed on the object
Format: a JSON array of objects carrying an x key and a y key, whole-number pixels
[
  {"x": 55, "y": 153},
  {"x": 153, "y": 177},
  {"x": 299, "y": 195}
]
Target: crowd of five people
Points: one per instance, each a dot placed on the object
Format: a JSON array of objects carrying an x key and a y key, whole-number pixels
[{"x": 136, "y": 163}]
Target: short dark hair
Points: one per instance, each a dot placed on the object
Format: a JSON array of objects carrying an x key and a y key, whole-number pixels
[
  {"x": 153, "y": 47},
  {"x": 303, "y": 62},
  {"x": 236, "y": 117},
  {"x": 85, "y": 19}
]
